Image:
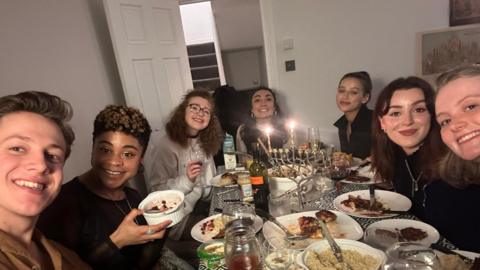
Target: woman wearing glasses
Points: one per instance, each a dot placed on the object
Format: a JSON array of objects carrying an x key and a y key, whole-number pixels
[{"x": 183, "y": 160}]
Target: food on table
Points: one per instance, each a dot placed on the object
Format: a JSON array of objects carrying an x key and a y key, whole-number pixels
[
  {"x": 412, "y": 234},
  {"x": 326, "y": 216},
  {"x": 357, "y": 204},
  {"x": 326, "y": 260},
  {"x": 386, "y": 233},
  {"x": 453, "y": 262},
  {"x": 164, "y": 204},
  {"x": 341, "y": 159},
  {"x": 277, "y": 260},
  {"x": 354, "y": 177},
  {"x": 215, "y": 248},
  {"x": 212, "y": 254},
  {"x": 228, "y": 179},
  {"x": 309, "y": 226},
  {"x": 213, "y": 228},
  {"x": 286, "y": 171}
]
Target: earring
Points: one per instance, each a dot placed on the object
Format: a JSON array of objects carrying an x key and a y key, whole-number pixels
[
  {"x": 252, "y": 116},
  {"x": 275, "y": 112}
]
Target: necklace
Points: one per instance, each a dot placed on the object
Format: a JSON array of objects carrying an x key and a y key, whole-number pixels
[
  {"x": 414, "y": 181},
  {"x": 122, "y": 211}
]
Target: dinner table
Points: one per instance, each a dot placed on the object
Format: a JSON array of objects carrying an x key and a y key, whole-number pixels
[{"x": 313, "y": 200}]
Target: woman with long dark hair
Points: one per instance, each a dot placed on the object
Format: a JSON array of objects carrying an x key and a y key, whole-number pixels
[
  {"x": 264, "y": 112},
  {"x": 354, "y": 127},
  {"x": 406, "y": 149}
]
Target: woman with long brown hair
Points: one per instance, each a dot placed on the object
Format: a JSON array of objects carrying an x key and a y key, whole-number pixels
[
  {"x": 183, "y": 159},
  {"x": 406, "y": 145}
]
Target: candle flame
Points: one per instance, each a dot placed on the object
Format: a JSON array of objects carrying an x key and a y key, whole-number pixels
[
  {"x": 291, "y": 124},
  {"x": 268, "y": 130}
]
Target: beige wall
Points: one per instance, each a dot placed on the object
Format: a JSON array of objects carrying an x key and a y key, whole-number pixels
[
  {"x": 335, "y": 37},
  {"x": 63, "y": 47}
]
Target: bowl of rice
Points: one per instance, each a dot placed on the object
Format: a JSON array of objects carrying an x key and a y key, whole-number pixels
[
  {"x": 160, "y": 206},
  {"x": 359, "y": 256}
]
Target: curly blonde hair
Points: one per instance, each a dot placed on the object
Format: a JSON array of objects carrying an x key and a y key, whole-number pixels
[
  {"x": 125, "y": 119},
  {"x": 177, "y": 129}
]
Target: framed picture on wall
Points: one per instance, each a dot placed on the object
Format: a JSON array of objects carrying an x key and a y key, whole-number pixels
[
  {"x": 444, "y": 49},
  {"x": 464, "y": 12}
]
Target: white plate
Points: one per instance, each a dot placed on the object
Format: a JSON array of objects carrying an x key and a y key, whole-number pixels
[
  {"x": 392, "y": 224},
  {"x": 197, "y": 232},
  {"x": 365, "y": 172},
  {"x": 468, "y": 254},
  {"x": 345, "y": 244},
  {"x": 390, "y": 200},
  {"x": 345, "y": 225}
]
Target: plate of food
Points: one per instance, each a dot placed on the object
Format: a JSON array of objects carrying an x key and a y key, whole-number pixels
[
  {"x": 405, "y": 230},
  {"x": 357, "y": 204},
  {"x": 356, "y": 254},
  {"x": 212, "y": 227},
  {"x": 306, "y": 223},
  {"x": 363, "y": 175},
  {"x": 228, "y": 179}
]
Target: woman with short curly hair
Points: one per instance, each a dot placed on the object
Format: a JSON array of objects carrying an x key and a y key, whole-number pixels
[{"x": 176, "y": 164}]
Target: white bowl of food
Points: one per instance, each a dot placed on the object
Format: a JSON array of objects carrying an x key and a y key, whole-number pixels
[
  {"x": 357, "y": 254},
  {"x": 160, "y": 206}
]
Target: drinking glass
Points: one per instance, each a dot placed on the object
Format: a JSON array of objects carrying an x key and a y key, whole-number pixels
[
  {"x": 313, "y": 138},
  {"x": 407, "y": 255},
  {"x": 276, "y": 255},
  {"x": 322, "y": 182},
  {"x": 198, "y": 156},
  {"x": 242, "y": 250},
  {"x": 237, "y": 210}
]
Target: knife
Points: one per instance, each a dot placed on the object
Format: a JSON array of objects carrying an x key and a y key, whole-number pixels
[
  {"x": 371, "y": 188},
  {"x": 449, "y": 251}
]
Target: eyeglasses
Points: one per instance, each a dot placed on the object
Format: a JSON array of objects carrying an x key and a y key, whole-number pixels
[{"x": 196, "y": 109}]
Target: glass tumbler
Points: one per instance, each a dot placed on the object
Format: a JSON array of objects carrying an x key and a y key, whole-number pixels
[{"x": 405, "y": 255}]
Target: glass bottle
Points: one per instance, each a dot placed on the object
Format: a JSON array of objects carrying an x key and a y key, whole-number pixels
[
  {"x": 259, "y": 179},
  {"x": 242, "y": 250}
]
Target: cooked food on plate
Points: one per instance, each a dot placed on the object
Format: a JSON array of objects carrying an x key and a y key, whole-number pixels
[
  {"x": 308, "y": 225},
  {"x": 341, "y": 159},
  {"x": 408, "y": 234},
  {"x": 326, "y": 260},
  {"x": 357, "y": 204},
  {"x": 453, "y": 262},
  {"x": 213, "y": 228},
  {"x": 228, "y": 179},
  {"x": 355, "y": 177},
  {"x": 412, "y": 234}
]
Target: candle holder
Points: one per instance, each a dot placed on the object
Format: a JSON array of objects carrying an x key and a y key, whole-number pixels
[{"x": 297, "y": 165}]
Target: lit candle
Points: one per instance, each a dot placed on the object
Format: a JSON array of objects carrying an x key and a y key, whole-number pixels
[
  {"x": 268, "y": 131},
  {"x": 291, "y": 125}
]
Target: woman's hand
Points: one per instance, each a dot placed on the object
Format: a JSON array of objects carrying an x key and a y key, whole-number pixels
[
  {"x": 193, "y": 170},
  {"x": 129, "y": 233}
]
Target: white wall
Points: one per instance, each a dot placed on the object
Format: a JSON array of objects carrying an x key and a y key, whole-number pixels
[
  {"x": 335, "y": 37},
  {"x": 62, "y": 47}
]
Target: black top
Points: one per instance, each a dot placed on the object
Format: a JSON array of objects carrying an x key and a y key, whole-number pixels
[
  {"x": 360, "y": 139},
  {"x": 452, "y": 211},
  {"x": 83, "y": 221}
]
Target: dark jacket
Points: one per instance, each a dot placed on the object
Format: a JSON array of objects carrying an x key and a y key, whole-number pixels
[
  {"x": 83, "y": 222},
  {"x": 360, "y": 143}
]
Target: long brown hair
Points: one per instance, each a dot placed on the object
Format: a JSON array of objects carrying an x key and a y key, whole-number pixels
[
  {"x": 384, "y": 149},
  {"x": 177, "y": 129}
]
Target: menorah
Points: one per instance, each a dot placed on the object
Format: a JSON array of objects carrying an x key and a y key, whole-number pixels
[{"x": 298, "y": 165}]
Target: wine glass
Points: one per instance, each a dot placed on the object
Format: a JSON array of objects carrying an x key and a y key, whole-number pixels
[
  {"x": 198, "y": 156},
  {"x": 405, "y": 255},
  {"x": 276, "y": 255},
  {"x": 237, "y": 210},
  {"x": 313, "y": 138}
]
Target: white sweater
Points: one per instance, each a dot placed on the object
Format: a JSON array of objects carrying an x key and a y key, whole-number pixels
[{"x": 168, "y": 170}]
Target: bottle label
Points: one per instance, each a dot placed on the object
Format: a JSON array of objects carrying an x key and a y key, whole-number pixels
[
  {"x": 256, "y": 180},
  {"x": 247, "y": 192},
  {"x": 230, "y": 161}
]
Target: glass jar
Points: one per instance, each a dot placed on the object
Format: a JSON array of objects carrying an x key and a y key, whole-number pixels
[{"x": 242, "y": 250}]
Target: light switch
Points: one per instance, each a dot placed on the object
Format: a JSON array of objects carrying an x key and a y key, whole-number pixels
[{"x": 287, "y": 44}]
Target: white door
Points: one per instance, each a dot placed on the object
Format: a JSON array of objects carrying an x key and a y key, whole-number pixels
[{"x": 151, "y": 55}]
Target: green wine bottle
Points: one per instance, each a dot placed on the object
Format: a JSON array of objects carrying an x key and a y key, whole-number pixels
[{"x": 259, "y": 178}]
